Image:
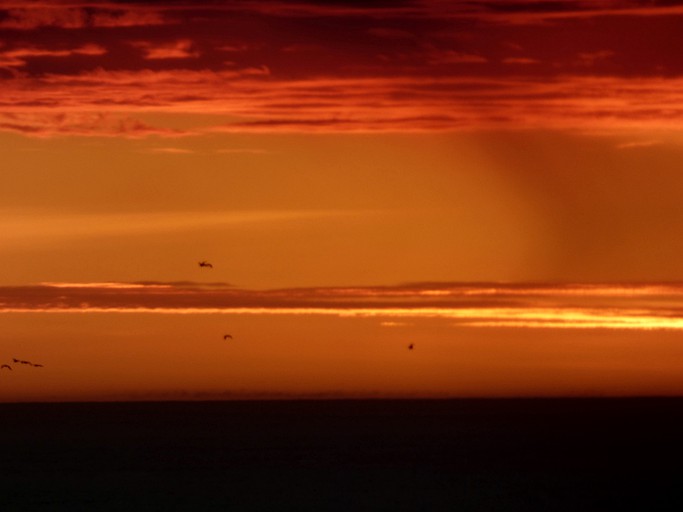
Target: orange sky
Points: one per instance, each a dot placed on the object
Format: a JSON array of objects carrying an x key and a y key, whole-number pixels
[{"x": 315, "y": 147}]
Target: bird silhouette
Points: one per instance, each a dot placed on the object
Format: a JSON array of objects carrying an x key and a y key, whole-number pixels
[
  {"x": 5, "y": 366},
  {"x": 411, "y": 346},
  {"x": 21, "y": 361},
  {"x": 227, "y": 336},
  {"x": 205, "y": 264}
]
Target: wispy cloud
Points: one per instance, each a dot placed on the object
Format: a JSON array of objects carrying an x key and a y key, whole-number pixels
[
  {"x": 84, "y": 124},
  {"x": 391, "y": 33},
  {"x": 613, "y": 306},
  {"x": 180, "y": 49},
  {"x": 398, "y": 73},
  {"x": 171, "y": 151},
  {"x": 17, "y": 226},
  {"x": 258, "y": 103},
  {"x": 249, "y": 151},
  {"x": 33, "y": 14},
  {"x": 525, "y": 61},
  {"x": 454, "y": 57},
  {"x": 593, "y": 58},
  {"x": 30, "y": 15},
  {"x": 639, "y": 144},
  {"x": 536, "y": 12},
  {"x": 492, "y": 11},
  {"x": 236, "y": 48},
  {"x": 17, "y": 57}
]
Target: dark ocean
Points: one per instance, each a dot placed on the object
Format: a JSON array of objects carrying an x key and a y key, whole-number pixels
[{"x": 350, "y": 455}]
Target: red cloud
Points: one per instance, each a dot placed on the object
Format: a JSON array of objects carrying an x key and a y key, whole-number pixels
[
  {"x": 82, "y": 124},
  {"x": 35, "y": 14},
  {"x": 591, "y": 58},
  {"x": 17, "y": 56},
  {"x": 454, "y": 57},
  {"x": 390, "y": 75},
  {"x": 122, "y": 18},
  {"x": 260, "y": 102},
  {"x": 524, "y": 61},
  {"x": 181, "y": 49},
  {"x": 29, "y": 16}
]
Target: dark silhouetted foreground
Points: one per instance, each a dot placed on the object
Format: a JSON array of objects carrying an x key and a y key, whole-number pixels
[{"x": 563, "y": 454}]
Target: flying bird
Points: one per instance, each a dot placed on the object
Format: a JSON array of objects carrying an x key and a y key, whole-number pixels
[
  {"x": 205, "y": 264},
  {"x": 226, "y": 336},
  {"x": 411, "y": 346},
  {"x": 5, "y": 366},
  {"x": 29, "y": 363}
]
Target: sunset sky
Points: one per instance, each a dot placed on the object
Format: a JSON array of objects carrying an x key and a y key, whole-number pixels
[{"x": 495, "y": 181}]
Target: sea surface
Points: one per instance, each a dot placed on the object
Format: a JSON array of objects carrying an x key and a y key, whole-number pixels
[{"x": 350, "y": 455}]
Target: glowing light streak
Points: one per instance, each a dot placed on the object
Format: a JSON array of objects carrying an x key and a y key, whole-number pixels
[
  {"x": 532, "y": 318},
  {"x": 106, "y": 285}
]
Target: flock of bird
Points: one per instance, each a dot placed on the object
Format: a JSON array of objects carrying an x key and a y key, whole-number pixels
[
  {"x": 206, "y": 264},
  {"x": 20, "y": 361},
  {"x": 202, "y": 264}
]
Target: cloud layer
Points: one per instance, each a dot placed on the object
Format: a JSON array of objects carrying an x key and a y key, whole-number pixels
[
  {"x": 569, "y": 306},
  {"x": 283, "y": 66}
]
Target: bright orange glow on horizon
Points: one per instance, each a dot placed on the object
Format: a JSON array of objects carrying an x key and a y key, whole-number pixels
[{"x": 532, "y": 318}]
